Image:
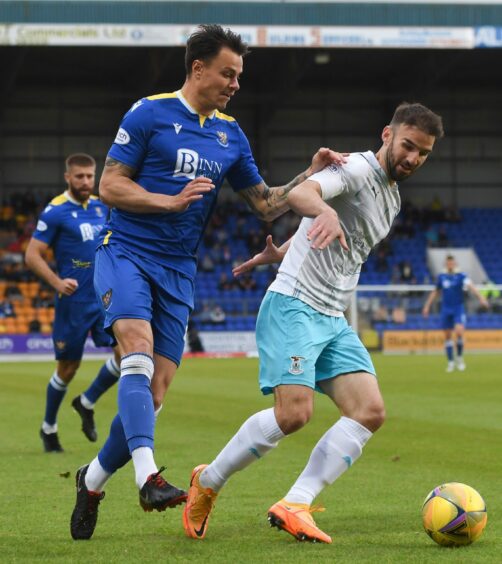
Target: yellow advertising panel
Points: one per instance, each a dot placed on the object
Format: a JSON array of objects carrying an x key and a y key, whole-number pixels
[{"x": 433, "y": 341}]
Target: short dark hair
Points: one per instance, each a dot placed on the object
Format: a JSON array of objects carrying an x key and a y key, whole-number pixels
[
  {"x": 419, "y": 116},
  {"x": 79, "y": 159},
  {"x": 450, "y": 257},
  {"x": 207, "y": 41}
]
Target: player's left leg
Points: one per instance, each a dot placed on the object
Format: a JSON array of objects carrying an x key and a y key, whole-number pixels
[
  {"x": 83, "y": 404},
  {"x": 448, "y": 347},
  {"x": 56, "y": 391},
  {"x": 354, "y": 389},
  {"x": 459, "y": 330},
  {"x": 68, "y": 338},
  {"x": 108, "y": 374},
  {"x": 358, "y": 397},
  {"x": 289, "y": 338}
]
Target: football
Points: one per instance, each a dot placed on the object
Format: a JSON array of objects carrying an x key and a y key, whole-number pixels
[{"x": 454, "y": 514}]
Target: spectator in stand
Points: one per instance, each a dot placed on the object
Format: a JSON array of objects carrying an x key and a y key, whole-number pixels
[
  {"x": 207, "y": 263},
  {"x": 443, "y": 237},
  {"x": 406, "y": 275},
  {"x": 216, "y": 314},
  {"x": 6, "y": 309},
  {"x": 247, "y": 282},
  {"x": 432, "y": 236},
  {"x": 381, "y": 263},
  {"x": 13, "y": 292},
  {"x": 193, "y": 338},
  {"x": 225, "y": 283},
  {"x": 34, "y": 326}
]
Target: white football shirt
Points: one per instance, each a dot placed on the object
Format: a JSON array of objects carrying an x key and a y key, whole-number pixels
[{"x": 366, "y": 204}]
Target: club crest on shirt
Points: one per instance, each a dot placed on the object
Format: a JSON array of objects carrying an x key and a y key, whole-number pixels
[
  {"x": 222, "y": 138},
  {"x": 60, "y": 345},
  {"x": 296, "y": 365},
  {"x": 99, "y": 212},
  {"x": 106, "y": 298}
]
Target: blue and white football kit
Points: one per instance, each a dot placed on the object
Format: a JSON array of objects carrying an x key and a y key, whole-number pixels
[
  {"x": 145, "y": 258},
  {"x": 146, "y": 263},
  {"x": 71, "y": 229},
  {"x": 452, "y": 287}
]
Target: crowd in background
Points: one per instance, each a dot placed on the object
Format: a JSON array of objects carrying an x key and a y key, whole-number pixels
[{"x": 233, "y": 235}]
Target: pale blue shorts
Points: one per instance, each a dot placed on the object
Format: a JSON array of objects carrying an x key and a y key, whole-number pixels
[{"x": 299, "y": 345}]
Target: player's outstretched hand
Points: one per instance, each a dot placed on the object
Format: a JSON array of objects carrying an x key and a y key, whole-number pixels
[
  {"x": 425, "y": 312},
  {"x": 192, "y": 192},
  {"x": 325, "y": 157},
  {"x": 270, "y": 255},
  {"x": 325, "y": 229},
  {"x": 67, "y": 286}
]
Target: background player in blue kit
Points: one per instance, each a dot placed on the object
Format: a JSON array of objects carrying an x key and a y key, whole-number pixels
[
  {"x": 162, "y": 176},
  {"x": 69, "y": 225},
  {"x": 452, "y": 284}
]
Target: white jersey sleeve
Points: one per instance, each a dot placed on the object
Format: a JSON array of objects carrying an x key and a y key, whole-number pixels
[{"x": 332, "y": 181}]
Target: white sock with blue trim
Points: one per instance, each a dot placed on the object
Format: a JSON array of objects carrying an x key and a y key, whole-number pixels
[
  {"x": 259, "y": 434},
  {"x": 335, "y": 452}
]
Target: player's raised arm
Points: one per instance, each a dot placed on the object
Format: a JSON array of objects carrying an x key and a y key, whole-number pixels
[
  {"x": 270, "y": 255},
  {"x": 268, "y": 203},
  {"x": 117, "y": 189},
  {"x": 36, "y": 262},
  {"x": 306, "y": 201}
]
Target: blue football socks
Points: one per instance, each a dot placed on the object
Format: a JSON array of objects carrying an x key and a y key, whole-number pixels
[
  {"x": 135, "y": 400},
  {"x": 56, "y": 390},
  {"x": 106, "y": 378}
]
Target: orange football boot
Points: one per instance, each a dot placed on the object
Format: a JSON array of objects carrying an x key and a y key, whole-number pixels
[
  {"x": 296, "y": 519},
  {"x": 199, "y": 505}
]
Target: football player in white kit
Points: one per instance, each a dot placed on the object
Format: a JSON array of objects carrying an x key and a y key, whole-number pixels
[{"x": 304, "y": 341}]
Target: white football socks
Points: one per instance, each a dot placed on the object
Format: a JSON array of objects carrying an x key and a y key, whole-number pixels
[
  {"x": 259, "y": 434},
  {"x": 96, "y": 476},
  {"x": 144, "y": 464},
  {"x": 335, "y": 452}
]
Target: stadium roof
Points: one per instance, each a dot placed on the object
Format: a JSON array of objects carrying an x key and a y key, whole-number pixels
[{"x": 347, "y": 13}]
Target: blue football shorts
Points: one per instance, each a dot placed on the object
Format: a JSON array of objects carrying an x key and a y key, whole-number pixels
[
  {"x": 72, "y": 323},
  {"x": 133, "y": 287},
  {"x": 452, "y": 317},
  {"x": 299, "y": 345}
]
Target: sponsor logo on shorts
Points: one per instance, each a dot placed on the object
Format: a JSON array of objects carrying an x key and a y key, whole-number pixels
[
  {"x": 122, "y": 137},
  {"x": 60, "y": 345},
  {"x": 106, "y": 298},
  {"x": 296, "y": 365}
]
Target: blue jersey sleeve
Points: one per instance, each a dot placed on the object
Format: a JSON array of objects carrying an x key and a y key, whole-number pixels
[
  {"x": 131, "y": 143},
  {"x": 244, "y": 172},
  {"x": 47, "y": 225},
  {"x": 439, "y": 283}
]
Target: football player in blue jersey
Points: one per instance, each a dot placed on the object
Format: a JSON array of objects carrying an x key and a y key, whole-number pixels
[
  {"x": 70, "y": 225},
  {"x": 452, "y": 284},
  {"x": 162, "y": 176}
]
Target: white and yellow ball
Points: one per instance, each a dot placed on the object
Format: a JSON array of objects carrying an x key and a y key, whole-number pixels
[{"x": 454, "y": 514}]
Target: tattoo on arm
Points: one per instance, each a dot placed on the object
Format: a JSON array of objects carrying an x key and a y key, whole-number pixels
[
  {"x": 274, "y": 197},
  {"x": 128, "y": 171}
]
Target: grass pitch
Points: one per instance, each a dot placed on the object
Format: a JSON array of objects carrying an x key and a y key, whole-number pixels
[{"x": 440, "y": 428}]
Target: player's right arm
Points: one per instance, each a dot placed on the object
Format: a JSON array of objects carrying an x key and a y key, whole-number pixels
[
  {"x": 430, "y": 300},
  {"x": 270, "y": 255},
  {"x": 117, "y": 189},
  {"x": 36, "y": 262}
]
